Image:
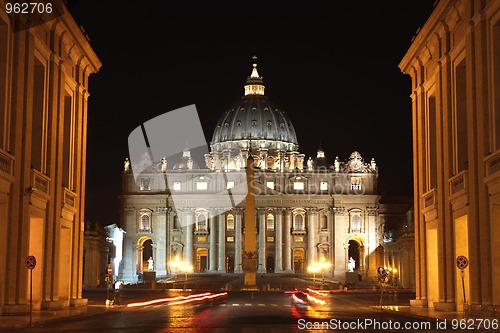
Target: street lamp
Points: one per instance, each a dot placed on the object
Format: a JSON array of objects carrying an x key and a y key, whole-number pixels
[
  {"x": 313, "y": 269},
  {"x": 176, "y": 264},
  {"x": 323, "y": 264},
  {"x": 187, "y": 268}
]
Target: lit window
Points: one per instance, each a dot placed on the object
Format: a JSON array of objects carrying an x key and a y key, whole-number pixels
[
  {"x": 298, "y": 222},
  {"x": 270, "y": 222},
  {"x": 355, "y": 183},
  {"x": 201, "y": 186},
  {"x": 230, "y": 184},
  {"x": 323, "y": 186},
  {"x": 298, "y": 239},
  {"x": 177, "y": 186},
  {"x": 355, "y": 222},
  {"x": 230, "y": 223},
  {"x": 201, "y": 223},
  {"x": 230, "y": 239},
  {"x": 298, "y": 185},
  {"x": 145, "y": 222},
  {"x": 270, "y": 239},
  {"x": 145, "y": 184},
  {"x": 270, "y": 185},
  {"x": 201, "y": 239}
]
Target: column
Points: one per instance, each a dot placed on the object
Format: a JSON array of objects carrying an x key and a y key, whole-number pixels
[
  {"x": 188, "y": 222},
  {"x": 160, "y": 246},
  {"x": 278, "y": 261},
  {"x": 333, "y": 243},
  {"x": 168, "y": 240},
  {"x": 263, "y": 158},
  {"x": 213, "y": 243},
  {"x": 222, "y": 242},
  {"x": 237, "y": 241},
  {"x": 262, "y": 242},
  {"x": 288, "y": 244},
  {"x": 312, "y": 230}
]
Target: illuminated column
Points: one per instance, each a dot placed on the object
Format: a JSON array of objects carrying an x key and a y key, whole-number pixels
[
  {"x": 160, "y": 247},
  {"x": 288, "y": 243},
  {"x": 237, "y": 241},
  {"x": 262, "y": 242},
  {"x": 222, "y": 243},
  {"x": 278, "y": 267},
  {"x": 227, "y": 160},
  {"x": 263, "y": 158},
  {"x": 213, "y": 241},
  {"x": 188, "y": 221},
  {"x": 312, "y": 217},
  {"x": 250, "y": 253},
  {"x": 281, "y": 157}
]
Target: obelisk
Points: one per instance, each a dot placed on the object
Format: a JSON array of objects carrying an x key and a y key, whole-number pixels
[{"x": 250, "y": 240}]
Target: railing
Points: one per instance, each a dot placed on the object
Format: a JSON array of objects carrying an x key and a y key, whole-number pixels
[
  {"x": 429, "y": 198},
  {"x": 69, "y": 198},
  {"x": 492, "y": 164},
  {"x": 458, "y": 183},
  {"x": 6, "y": 163},
  {"x": 40, "y": 182}
]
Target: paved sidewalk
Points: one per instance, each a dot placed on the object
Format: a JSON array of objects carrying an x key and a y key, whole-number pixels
[{"x": 40, "y": 317}]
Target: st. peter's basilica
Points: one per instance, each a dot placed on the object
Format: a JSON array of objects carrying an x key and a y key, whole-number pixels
[{"x": 308, "y": 210}]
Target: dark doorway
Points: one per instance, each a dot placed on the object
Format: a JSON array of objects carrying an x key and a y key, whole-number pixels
[
  {"x": 270, "y": 264},
  {"x": 354, "y": 252},
  {"x": 230, "y": 263}
]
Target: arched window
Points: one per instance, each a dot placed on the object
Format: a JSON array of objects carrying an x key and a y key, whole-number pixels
[
  {"x": 201, "y": 222},
  {"x": 270, "y": 222},
  {"x": 145, "y": 222},
  {"x": 230, "y": 222},
  {"x": 355, "y": 222},
  {"x": 298, "y": 222},
  {"x": 176, "y": 225},
  {"x": 323, "y": 222}
]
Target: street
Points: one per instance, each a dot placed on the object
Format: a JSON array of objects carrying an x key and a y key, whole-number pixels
[{"x": 246, "y": 311}]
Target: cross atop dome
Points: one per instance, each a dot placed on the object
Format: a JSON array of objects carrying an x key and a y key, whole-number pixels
[{"x": 255, "y": 83}]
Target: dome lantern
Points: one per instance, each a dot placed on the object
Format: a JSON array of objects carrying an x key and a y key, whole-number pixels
[{"x": 255, "y": 83}]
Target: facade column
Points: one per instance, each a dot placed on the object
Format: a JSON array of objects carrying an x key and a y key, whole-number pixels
[
  {"x": 237, "y": 241},
  {"x": 281, "y": 157},
  {"x": 168, "y": 241},
  {"x": 288, "y": 243},
  {"x": 333, "y": 242},
  {"x": 278, "y": 261},
  {"x": 213, "y": 242},
  {"x": 222, "y": 242},
  {"x": 160, "y": 247},
  {"x": 312, "y": 230},
  {"x": 188, "y": 222},
  {"x": 261, "y": 254}
]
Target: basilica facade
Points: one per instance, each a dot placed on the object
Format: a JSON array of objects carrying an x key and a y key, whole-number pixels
[{"x": 308, "y": 210}]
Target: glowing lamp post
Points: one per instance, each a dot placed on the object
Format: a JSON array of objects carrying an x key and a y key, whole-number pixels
[
  {"x": 313, "y": 269},
  {"x": 186, "y": 268},
  {"x": 176, "y": 264},
  {"x": 323, "y": 264}
]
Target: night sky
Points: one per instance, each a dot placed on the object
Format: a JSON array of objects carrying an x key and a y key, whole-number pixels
[{"x": 319, "y": 62}]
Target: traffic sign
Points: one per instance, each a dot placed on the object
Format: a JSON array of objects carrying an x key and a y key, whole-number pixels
[
  {"x": 381, "y": 270},
  {"x": 30, "y": 262},
  {"x": 110, "y": 270},
  {"x": 462, "y": 262}
]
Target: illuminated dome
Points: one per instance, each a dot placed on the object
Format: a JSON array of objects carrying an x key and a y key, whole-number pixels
[{"x": 256, "y": 123}]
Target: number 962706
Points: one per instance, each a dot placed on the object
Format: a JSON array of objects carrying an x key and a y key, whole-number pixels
[{"x": 28, "y": 7}]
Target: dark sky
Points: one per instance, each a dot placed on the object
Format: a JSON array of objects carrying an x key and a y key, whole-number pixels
[{"x": 337, "y": 61}]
